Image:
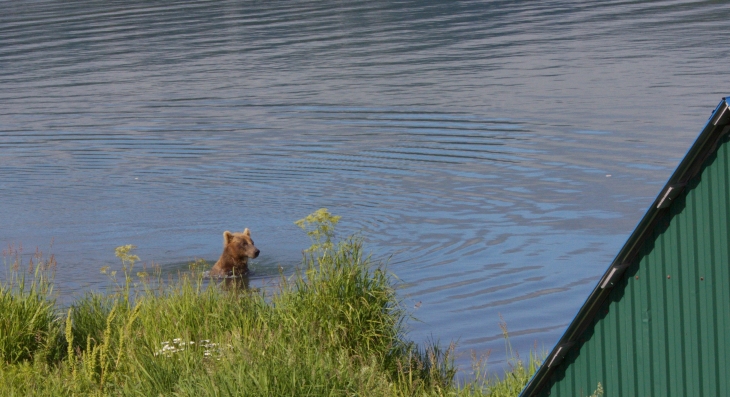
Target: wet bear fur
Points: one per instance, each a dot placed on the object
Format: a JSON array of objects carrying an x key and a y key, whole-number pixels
[{"x": 237, "y": 248}]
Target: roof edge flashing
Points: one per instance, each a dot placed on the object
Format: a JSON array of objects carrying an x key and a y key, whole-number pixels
[
  {"x": 670, "y": 193},
  {"x": 560, "y": 353},
  {"x": 613, "y": 275},
  {"x": 722, "y": 116}
]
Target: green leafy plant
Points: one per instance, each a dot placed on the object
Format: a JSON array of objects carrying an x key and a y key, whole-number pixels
[
  {"x": 320, "y": 227},
  {"x": 599, "y": 391}
]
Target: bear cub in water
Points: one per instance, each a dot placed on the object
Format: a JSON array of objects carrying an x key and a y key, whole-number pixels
[{"x": 237, "y": 248}]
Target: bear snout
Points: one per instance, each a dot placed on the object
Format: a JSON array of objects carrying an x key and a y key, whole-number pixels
[{"x": 256, "y": 253}]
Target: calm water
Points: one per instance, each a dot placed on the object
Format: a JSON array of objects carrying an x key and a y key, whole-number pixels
[{"x": 496, "y": 153}]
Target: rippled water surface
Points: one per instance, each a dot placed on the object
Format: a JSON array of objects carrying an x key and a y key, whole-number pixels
[{"x": 496, "y": 153}]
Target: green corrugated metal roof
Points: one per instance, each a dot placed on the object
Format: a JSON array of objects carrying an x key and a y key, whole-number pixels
[{"x": 639, "y": 331}]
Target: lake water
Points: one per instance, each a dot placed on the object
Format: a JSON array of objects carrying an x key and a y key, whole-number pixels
[{"x": 496, "y": 153}]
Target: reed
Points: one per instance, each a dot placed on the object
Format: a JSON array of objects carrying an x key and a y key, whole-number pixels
[
  {"x": 334, "y": 328},
  {"x": 29, "y": 326}
]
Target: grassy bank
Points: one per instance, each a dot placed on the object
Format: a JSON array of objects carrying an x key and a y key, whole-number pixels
[{"x": 333, "y": 329}]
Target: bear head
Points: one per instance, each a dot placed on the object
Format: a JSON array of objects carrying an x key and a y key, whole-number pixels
[
  {"x": 237, "y": 248},
  {"x": 239, "y": 245}
]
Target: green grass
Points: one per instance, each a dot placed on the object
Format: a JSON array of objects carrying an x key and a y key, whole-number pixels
[
  {"x": 333, "y": 329},
  {"x": 29, "y": 325}
]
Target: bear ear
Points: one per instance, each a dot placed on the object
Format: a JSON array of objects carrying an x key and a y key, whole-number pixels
[
  {"x": 227, "y": 236},
  {"x": 247, "y": 232}
]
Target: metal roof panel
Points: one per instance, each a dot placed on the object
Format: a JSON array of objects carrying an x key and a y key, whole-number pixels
[{"x": 704, "y": 146}]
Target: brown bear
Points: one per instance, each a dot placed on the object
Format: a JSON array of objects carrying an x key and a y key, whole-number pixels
[{"x": 237, "y": 248}]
